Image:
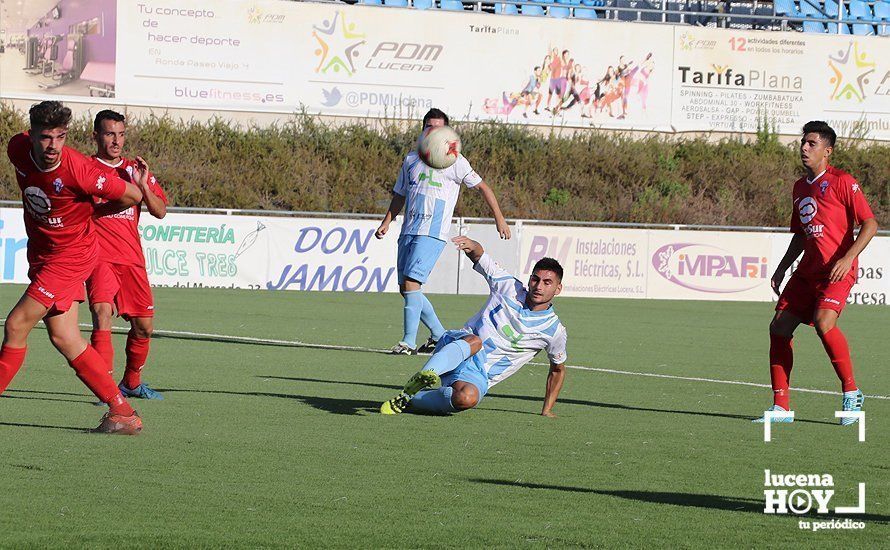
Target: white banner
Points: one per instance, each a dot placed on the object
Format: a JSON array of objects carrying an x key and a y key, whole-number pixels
[{"x": 365, "y": 61}]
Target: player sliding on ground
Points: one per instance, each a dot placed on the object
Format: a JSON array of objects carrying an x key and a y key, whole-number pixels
[
  {"x": 515, "y": 323},
  {"x": 120, "y": 282},
  {"x": 58, "y": 186},
  {"x": 828, "y": 204},
  {"x": 429, "y": 197}
]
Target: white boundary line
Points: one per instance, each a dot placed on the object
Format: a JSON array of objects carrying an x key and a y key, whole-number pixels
[{"x": 300, "y": 344}]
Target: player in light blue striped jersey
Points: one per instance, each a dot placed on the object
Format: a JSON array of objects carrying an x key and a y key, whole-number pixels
[
  {"x": 428, "y": 196},
  {"x": 513, "y": 326}
]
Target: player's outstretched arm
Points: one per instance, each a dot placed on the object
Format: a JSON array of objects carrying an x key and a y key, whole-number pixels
[
  {"x": 468, "y": 246},
  {"x": 555, "y": 378},
  {"x": 492, "y": 202},
  {"x": 841, "y": 267},
  {"x": 795, "y": 248},
  {"x": 395, "y": 206}
]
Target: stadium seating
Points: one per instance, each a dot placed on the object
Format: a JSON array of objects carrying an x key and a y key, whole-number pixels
[{"x": 858, "y": 17}]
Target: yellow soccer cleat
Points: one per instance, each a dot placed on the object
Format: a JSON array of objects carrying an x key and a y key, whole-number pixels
[{"x": 420, "y": 381}]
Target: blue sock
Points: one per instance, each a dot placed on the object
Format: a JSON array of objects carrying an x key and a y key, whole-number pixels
[
  {"x": 434, "y": 401},
  {"x": 449, "y": 357},
  {"x": 413, "y": 308},
  {"x": 430, "y": 319}
]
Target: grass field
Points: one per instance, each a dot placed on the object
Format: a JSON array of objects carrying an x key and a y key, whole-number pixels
[{"x": 262, "y": 445}]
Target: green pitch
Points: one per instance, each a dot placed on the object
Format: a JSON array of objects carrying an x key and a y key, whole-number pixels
[{"x": 261, "y": 445}]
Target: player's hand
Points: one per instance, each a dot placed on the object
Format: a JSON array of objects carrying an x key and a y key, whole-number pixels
[
  {"x": 840, "y": 269},
  {"x": 141, "y": 172},
  {"x": 504, "y": 230},
  {"x": 548, "y": 414},
  {"x": 776, "y": 281},
  {"x": 467, "y": 245},
  {"x": 381, "y": 231}
]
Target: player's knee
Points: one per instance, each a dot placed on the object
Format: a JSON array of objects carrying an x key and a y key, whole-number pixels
[
  {"x": 465, "y": 398},
  {"x": 102, "y": 312},
  {"x": 66, "y": 342},
  {"x": 824, "y": 323},
  {"x": 142, "y": 330},
  {"x": 15, "y": 328},
  {"x": 475, "y": 343}
]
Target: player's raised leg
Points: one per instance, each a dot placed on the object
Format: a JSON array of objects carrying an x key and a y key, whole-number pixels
[
  {"x": 835, "y": 344},
  {"x": 89, "y": 366},
  {"x": 138, "y": 345}
]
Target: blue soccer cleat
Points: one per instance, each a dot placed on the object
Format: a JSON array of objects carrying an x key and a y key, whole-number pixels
[
  {"x": 781, "y": 420},
  {"x": 140, "y": 392},
  {"x": 852, "y": 402}
]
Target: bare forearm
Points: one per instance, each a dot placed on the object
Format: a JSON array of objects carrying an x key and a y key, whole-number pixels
[
  {"x": 395, "y": 207},
  {"x": 492, "y": 202},
  {"x": 554, "y": 384},
  {"x": 154, "y": 203},
  {"x": 869, "y": 229},
  {"x": 795, "y": 247}
]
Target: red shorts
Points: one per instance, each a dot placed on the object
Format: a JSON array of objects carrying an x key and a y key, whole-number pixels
[
  {"x": 125, "y": 286},
  {"x": 54, "y": 287},
  {"x": 803, "y": 297}
]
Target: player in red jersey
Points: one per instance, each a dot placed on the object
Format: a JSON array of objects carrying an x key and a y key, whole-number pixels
[
  {"x": 58, "y": 185},
  {"x": 119, "y": 281},
  {"x": 828, "y": 205}
]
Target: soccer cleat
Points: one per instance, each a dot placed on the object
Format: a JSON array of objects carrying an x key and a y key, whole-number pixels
[
  {"x": 783, "y": 420},
  {"x": 421, "y": 380},
  {"x": 119, "y": 424},
  {"x": 429, "y": 347},
  {"x": 140, "y": 392},
  {"x": 852, "y": 402},
  {"x": 402, "y": 349}
]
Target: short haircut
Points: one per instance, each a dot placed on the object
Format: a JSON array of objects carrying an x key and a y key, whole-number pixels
[
  {"x": 822, "y": 128},
  {"x": 549, "y": 264},
  {"x": 49, "y": 114},
  {"x": 435, "y": 113},
  {"x": 106, "y": 114}
]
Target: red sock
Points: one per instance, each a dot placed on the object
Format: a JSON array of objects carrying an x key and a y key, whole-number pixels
[
  {"x": 90, "y": 368},
  {"x": 781, "y": 359},
  {"x": 835, "y": 344},
  {"x": 11, "y": 360},
  {"x": 137, "y": 353},
  {"x": 101, "y": 341}
]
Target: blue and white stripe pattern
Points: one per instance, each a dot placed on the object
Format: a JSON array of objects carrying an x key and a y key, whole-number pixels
[
  {"x": 512, "y": 334},
  {"x": 432, "y": 194}
]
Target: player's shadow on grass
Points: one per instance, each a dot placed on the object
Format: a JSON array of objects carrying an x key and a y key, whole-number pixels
[
  {"x": 40, "y": 394},
  {"x": 568, "y": 401},
  {"x": 245, "y": 340},
  {"x": 328, "y": 404},
  {"x": 64, "y": 428},
  {"x": 693, "y": 500}
]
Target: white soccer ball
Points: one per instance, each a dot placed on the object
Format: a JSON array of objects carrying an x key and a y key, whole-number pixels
[{"x": 439, "y": 147}]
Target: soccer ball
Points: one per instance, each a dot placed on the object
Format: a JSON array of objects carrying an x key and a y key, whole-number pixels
[{"x": 439, "y": 147}]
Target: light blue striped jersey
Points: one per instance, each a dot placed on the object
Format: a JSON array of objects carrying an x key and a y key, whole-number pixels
[
  {"x": 511, "y": 333},
  {"x": 431, "y": 194}
]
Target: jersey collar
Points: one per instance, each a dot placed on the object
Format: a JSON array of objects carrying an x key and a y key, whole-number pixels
[
  {"x": 45, "y": 170},
  {"x": 814, "y": 180},
  {"x": 119, "y": 162}
]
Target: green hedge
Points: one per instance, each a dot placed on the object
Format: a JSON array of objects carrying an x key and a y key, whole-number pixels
[{"x": 300, "y": 164}]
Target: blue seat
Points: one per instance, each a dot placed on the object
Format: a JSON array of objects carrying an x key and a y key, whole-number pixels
[
  {"x": 396, "y": 3},
  {"x": 814, "y": 27},
  {"x": 785, "y": 7},
  {"x": 451, "y": 5},
  {"x": 882, "y": 13},
  {"x": 860, "y": 11},
  {"x": 371, "y": 2},
  {"x": 811, "y": 9},
  {"x": 424, "y": 4},
  {"x": 594, "y": 3},
  {"x": 559, "y": 12},
  {"x": 530, "y": 9},
  {"x": 569, "y": 2},
  {"x": 509, "y": 9},
  {"x": 585, "y": 13}
]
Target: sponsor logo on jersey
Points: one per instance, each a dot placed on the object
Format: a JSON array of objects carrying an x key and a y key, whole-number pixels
[
  {"x": 58, "y": 185},
  {"x": 807, "y": 209},
  {"x": 37, "y": 201},
  {"x": 823, "y": 186},
  {"x": 100, "y": 183},
  {"x": 814, "y": 230}
]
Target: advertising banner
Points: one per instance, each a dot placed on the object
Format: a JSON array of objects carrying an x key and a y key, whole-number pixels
[{"x": 601, "y": 263}]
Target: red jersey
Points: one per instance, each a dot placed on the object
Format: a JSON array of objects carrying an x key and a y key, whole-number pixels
[
  {"x": 58, "y": 203},
  {"x": 119, "y": 241},
  {"x": 826, "y": 211}
]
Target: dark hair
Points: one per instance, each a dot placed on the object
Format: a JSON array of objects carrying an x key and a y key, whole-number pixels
[
  {"x": 435, "y": 113},
  {"x": 106, "y": 114},
  {"x": 822, "y": 128},
  {"x": 549, "y": 264},
  {"x": 49, "y": 114}
]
